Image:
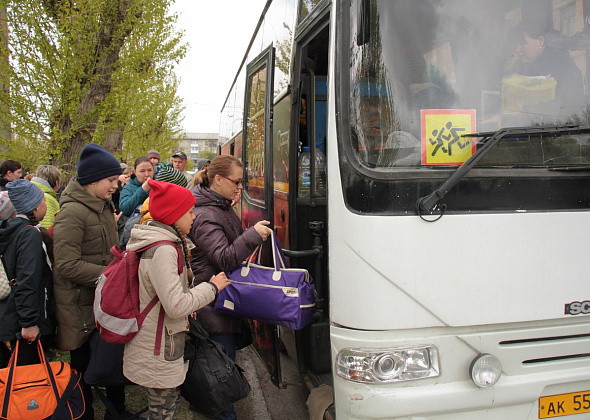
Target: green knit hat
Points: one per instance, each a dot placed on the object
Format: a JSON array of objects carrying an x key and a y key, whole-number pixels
[{"x": 171, "y": 175}]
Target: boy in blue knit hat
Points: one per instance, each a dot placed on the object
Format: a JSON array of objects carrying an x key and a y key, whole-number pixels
[
  {"x": 25, "y": 259},
  {"x": 27, "y": 199}
]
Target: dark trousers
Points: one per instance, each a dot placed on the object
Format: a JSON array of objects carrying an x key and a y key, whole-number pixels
[
  {"x": 79, "y": 360},
  {"x": 4, "y": 356},
  {"x": 27, "y": 352},
  {"x": 229, "y": 344}
]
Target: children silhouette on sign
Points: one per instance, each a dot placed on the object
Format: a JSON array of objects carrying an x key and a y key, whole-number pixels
[{"x": 446, "y": 142}]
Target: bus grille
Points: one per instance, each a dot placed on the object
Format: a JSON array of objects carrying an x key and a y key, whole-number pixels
[{"x": 537, "y": 348}]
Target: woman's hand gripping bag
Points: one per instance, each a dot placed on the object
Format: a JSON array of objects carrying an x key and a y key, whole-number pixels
[{"x": 275, "y": 295}]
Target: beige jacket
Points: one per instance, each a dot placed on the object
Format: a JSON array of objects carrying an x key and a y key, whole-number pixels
[{"x": 158, "y": 275}]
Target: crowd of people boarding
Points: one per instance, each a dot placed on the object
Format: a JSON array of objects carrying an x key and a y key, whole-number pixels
[{"x": 55, "y": 242}]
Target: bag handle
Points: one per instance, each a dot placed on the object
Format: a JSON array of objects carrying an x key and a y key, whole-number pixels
[
  {"x": 61, "y": 410},
  {"x": 118, "y": 252},
  {"x": 9, "y": 380},
  {"x": 12, "y": 373},
  {"x": 174, "y": 244},
  {"x": 278, "y": 257},
  {"x": 218, "y": 365},
  {"x": 155, "y": 299}
]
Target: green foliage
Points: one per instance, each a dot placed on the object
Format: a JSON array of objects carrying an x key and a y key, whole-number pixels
[
  {"x": 307, "y": 6},
  {"x": 86, "y": 71},
  {"x": 283, "y": 58},
  {"x": 207, "y": 154}
]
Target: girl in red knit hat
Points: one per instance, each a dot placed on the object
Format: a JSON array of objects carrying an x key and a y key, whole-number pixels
[{"x": 171, "y": 208}]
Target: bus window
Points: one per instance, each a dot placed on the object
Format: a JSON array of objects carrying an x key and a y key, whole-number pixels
[
  {"x": 313, "y": 109},
  {"x": 320, "y": 112},
  {"x": 255, "y": 135},
  {"x": 306, "y": 7}
]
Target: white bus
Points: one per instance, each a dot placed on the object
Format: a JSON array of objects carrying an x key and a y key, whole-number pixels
[{"x": 450, "y": 244}]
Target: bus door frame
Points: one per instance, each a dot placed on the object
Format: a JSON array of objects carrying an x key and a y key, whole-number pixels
[
  {"x": 312, "y": 25},
  {"x": 265, "y": 336},
  {"x": 310, "y": 28}
]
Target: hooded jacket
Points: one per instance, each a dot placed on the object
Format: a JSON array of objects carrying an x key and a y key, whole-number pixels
[
  {"x": 132, "y": 195},
  {"x": 50, "y": 199},
  {"x": 220, "y": 245},
  {"x": 83, "y": 234},
  {"x": 25, "y": 260},
  {"x": 158, "y": 275},
  {"x": 3, "y": 182}
]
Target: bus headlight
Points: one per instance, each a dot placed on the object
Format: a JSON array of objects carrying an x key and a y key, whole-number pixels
[
  {"x": 485, "y": 370},
  {"x": 387, "y": 365}
]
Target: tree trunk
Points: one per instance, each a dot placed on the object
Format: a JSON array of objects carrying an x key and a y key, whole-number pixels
[
  {"x": 77, "y": 130},
  {"x": 113, "y": 142}
]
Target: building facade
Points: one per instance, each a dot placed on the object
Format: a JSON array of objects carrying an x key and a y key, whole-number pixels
[{"x": 198, "y": 145}]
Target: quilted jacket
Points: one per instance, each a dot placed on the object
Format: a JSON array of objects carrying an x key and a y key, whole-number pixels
[{"x": 220, "y": 245}]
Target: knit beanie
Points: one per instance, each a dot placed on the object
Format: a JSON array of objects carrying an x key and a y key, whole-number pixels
[
  {"x": 153, "y": 154},
  {"x": 169, "y": 174},
  {"x": 24, "y": 195},
  {"x": 6, "y": 208},
  {"x": 169, "y": 202},
  {"x": 95, "y": 164}
]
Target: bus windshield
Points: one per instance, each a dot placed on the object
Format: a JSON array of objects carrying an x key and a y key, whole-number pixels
[{"x": 424, "y": 73}]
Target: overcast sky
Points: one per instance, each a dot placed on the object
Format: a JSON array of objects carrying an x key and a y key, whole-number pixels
[{"x": 218, "y": 32}]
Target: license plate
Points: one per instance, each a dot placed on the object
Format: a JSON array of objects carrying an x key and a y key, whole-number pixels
[{"x": 564, "y": 404}]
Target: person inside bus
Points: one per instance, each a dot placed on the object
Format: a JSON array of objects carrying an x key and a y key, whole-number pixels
[
  {"x": 536, "y": 57},
  {"x": 558, "y": 92}
]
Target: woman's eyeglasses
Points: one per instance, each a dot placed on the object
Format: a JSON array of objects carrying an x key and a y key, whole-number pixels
[{"x": 238, "y": 182}]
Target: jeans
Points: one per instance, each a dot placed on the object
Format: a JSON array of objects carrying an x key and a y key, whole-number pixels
[{"x": 229, "y": 344}]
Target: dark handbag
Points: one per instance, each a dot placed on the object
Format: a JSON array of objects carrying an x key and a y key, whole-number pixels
[
  {"x": 244, "y": 338},
  {"x": 46, "y": 390},
  {"x": 275, "y": 295},
  {"x": 106, "y": 369},
  {"x": 106, "y": 362},
  {"x": 213, "y": 380}
]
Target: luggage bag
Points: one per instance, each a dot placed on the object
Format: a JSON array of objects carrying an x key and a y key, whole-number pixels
[
  {"x": 213, "y": 381},
  {"x": 274, "y": 295},
  {"x": 47, "y": 390}
]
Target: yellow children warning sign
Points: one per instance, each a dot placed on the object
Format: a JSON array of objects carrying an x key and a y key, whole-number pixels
[{"x": 442, "y": 129}]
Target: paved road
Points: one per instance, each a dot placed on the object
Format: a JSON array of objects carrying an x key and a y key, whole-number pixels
[{"x": 265, "y": 402}]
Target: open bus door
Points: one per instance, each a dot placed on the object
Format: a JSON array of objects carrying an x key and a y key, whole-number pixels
[
  {"x": 308, "y": 225},
  {"x": 276, "y": 125},
  {"x": 257, "y": 196}
]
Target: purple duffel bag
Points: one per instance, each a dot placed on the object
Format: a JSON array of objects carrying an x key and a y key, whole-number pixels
[{"x": 274, "y": 295}]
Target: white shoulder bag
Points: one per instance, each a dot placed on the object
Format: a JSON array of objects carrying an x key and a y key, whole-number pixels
[{"x": 5, "y": 284}]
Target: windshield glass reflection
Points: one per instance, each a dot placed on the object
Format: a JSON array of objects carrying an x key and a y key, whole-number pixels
[{"x": 422, "y": 73}]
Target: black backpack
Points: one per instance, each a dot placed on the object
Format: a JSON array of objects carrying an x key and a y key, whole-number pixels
[{"x": 213, "y": 380}]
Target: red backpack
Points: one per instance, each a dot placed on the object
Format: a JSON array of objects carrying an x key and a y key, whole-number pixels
[{"x": 116, "y": 299}]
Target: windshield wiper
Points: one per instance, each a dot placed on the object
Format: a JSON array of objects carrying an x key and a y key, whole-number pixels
[{"x": 489, "y": 139}]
